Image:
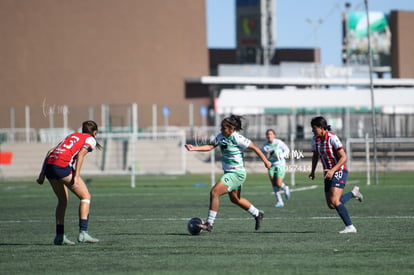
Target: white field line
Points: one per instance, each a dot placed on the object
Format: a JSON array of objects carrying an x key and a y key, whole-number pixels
[
  {"x": 303, "y": 188},
  {"x": 230, "y": 219},
  {"x": 157, "y": 194},
  {"x": 300, "y": 189}
]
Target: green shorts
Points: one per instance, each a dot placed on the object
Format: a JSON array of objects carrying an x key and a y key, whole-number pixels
[
  {"x": 233, "y": 180},
  {"x": 278, "y": 171}
]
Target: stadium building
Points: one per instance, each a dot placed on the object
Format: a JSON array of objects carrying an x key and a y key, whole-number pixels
[
  {"x": 71, "y": 57},
  {"x": 145, "y": 65}
]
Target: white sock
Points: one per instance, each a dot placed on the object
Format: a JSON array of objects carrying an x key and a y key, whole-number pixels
[
  {"x": 253, "y": 211},
  {"x": 277, "y": 194},
  {"x": 211, "y": 216},
  {"x": 286, "y": 188}
]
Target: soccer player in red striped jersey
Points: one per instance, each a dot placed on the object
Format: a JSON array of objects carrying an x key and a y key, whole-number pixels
[
  {"x": 62, "y": 169},
  {"x": 328, "y": 147}
]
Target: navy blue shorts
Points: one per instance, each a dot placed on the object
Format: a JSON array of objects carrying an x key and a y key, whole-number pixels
[
  {"x": 57, "y": 172},
  {"x": 338, "y": 180}
]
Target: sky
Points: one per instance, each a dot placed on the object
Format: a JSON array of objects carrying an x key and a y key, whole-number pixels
[{"x": 297, "y": 27}]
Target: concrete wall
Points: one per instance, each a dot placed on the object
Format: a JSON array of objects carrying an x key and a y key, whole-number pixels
[{"x": 91, "y": 52}]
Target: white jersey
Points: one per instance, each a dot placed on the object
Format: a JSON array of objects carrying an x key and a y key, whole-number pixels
[
  {"x": 278, "y": 152},
  {"x": 232, "y": 149}
]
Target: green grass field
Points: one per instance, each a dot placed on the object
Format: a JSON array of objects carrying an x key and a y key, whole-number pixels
[{"x": 143, "y": 230}]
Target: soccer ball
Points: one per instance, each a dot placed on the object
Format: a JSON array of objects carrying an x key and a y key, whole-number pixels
[{"x": 192, "y": 226}]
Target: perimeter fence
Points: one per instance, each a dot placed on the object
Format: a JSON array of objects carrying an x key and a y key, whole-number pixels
[{"x": 158, "y": 148}]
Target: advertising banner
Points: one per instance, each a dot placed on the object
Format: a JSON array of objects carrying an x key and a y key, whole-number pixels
[{"x": 356, "y": 38}]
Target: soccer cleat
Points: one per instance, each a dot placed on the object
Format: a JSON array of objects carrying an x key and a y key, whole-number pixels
[
  {"x": 348, "y": 229},
  {"x": 62, "y": 240},
  {"x": 206, "y": 226},
  {"x": 357, "y": 194},
  {"x": 287, "y": 193},
  {"x": 84, "y": 237},
  {"x": 279, "y": 204},
  {"x": 258, "y": 219}
]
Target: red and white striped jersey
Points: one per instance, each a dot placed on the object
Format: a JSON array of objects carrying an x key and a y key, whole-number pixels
[{"x": 327, "y": 147}]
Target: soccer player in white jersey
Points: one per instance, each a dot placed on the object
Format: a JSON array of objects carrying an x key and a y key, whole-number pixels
[
  {"x": 232, "y": 145},
  {"x": 328, "y": 147},
  {"x": 276, "y": 152}
]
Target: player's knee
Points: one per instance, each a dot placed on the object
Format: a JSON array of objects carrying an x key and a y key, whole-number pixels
[
  {"x": 216, "y": 191},
  {"x": 234, "y": 200},
  {"x": 213, "y": 193},
  {"x": 331, "y": 205},
  {"x": 86, "y": 198}
]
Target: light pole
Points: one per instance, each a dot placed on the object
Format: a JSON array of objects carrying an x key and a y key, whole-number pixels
[
  {"x": 315, "y": 26},
  {"x": 374, "y": 124},
  {"x": 347, "y": 132},
  {"x": 346, "y": 46}
]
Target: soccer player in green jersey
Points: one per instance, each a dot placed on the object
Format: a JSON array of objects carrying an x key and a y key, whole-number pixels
[
  {"x": 276, "y": 151},
  {"x": 232, "y": 145}
]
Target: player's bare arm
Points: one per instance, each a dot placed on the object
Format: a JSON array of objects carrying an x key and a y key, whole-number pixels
[{"x": 201, "y": 148}]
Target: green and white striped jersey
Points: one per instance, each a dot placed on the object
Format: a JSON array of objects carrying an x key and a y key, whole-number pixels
[
  {"x": 277, "y": 150},
  {"x": 232, "y": 149}
]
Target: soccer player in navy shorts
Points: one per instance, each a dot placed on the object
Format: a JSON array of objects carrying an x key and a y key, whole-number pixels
[{"x": 327, "y": 147}]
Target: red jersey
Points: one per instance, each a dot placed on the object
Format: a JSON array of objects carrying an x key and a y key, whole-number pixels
[
  {"x": 67, "y": 150},
  {"x": 327, "y": 148}
]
